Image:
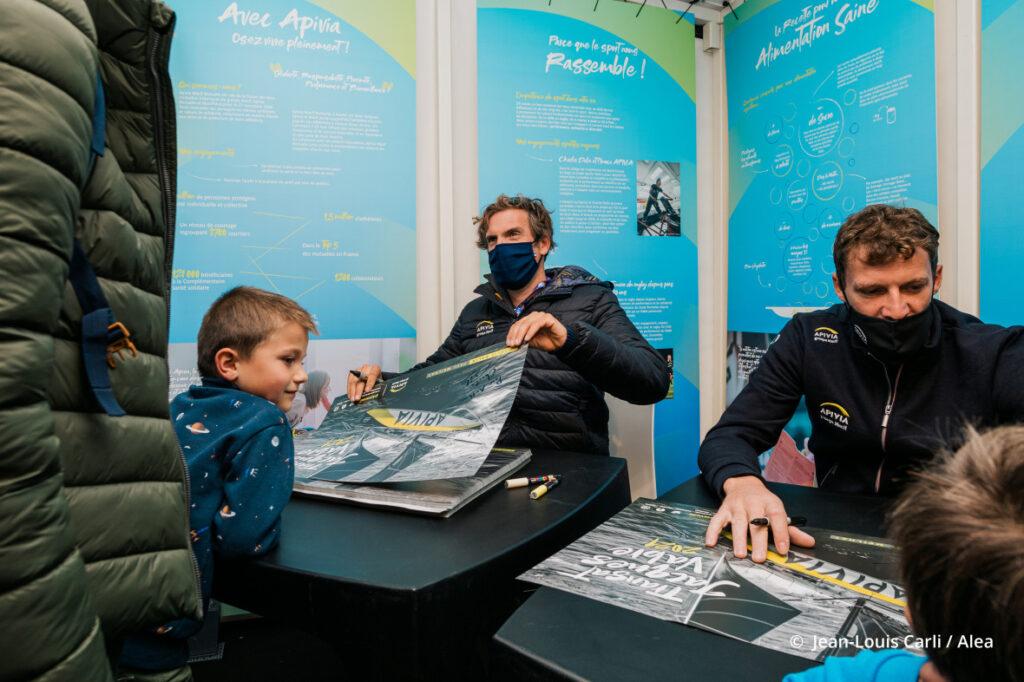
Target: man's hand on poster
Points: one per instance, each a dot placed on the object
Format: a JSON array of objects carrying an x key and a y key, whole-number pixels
[
  {"x": 746, "y": 498},
  {"x": 357, "y": 386},
  {"x": 540, "y": 330}
]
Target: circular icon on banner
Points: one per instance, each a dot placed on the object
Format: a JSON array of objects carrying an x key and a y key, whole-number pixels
[
  {"x": 773, "y": 129},
  {"x": 796, "y": 195},
  {"x": 846, "y": 146},
  {"x": 813, "y": 234},
  {"x": 803, "y": 167},
  {"x": 820, "y": 128},
  {"x": 849, "y": 97},
  {"x": 780, "y": 283},
  {"x": 848, "y": 204},
  {"x": 811, "y": 213},
  {"x": 830, "y": 220},
  {"x": 797, "y": 259},
  {"x": 775, "y": 195},
  {"x": 782, "y": 163},
  {"x": 821, "y": 290},
  {"x": 827, "y": 180},
  {"x": 784, "y": 227}
]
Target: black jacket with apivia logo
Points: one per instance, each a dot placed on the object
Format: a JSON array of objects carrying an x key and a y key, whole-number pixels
[
  {"x": 560, "y": 402},
  {"x": 870, "y": 423}
]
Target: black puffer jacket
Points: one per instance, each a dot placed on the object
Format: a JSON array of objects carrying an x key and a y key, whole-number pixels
[{"x": 560, "y": 403}]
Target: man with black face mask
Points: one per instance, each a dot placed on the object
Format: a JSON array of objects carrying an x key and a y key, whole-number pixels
[
  {"x": 890, "y": 376},
  {"x": 581, "y": 342}
]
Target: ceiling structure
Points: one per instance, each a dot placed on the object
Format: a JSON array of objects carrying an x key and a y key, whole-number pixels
[{"x": 703, "y": 11}]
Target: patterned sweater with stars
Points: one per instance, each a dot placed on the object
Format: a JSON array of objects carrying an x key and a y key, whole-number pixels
[{"x": 239, "y": 452}]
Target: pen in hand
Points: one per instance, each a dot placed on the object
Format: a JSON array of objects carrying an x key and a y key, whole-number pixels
[{"x": 791, "y": 520}]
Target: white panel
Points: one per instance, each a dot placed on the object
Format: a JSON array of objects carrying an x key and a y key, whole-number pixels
[
  {"x": 631, "y": 436},
  {"x": 465, "y": 178},
  {"x": 447, "y": 183},
  {"x": 712, "y": 230},
  {"x": 428, "y": 280},
  {"x": 957, "y": 101}
]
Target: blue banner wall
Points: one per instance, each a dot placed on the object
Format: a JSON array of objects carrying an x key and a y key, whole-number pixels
[
  {"x": 1002, "y": 161},
  {"x": 296, "y": 168},
  {"x": 831, "y": 108},
  {"x": 587, "y": 109}
]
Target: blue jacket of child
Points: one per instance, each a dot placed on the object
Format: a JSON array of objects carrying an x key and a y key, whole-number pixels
[
  {"x": 887, "y": 665},
  {"x": 239, "y": 452}
]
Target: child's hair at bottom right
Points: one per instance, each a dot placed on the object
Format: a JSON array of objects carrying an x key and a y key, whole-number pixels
[{"x": 960, "y": 529}]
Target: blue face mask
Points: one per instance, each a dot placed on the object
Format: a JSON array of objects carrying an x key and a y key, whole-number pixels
[{"x": 513, "y": 264}]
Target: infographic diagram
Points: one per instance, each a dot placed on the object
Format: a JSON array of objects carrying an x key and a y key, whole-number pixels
[{"x": 831, "y": 108}]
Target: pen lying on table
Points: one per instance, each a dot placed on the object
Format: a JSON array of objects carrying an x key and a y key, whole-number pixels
[
  {"x": 543, "y": 488},
  {"x": 532, "y": 480}
]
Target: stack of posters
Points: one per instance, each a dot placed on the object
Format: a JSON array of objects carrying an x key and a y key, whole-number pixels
[
  {"x": 832, "y": 600},
  {"x": 438, "y": 424},
  {"x": 441, "y": 497}
]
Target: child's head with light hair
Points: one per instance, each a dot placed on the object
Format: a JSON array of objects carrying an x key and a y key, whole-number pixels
[{"x": 960, "y": 529}]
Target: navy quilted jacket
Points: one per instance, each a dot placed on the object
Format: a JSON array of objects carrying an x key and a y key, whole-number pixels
[{"x": 560, "y": 404}]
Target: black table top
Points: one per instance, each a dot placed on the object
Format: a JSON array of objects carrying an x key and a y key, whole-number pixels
[
  {"x": 418, "y": 597},
  {"x": 557, "y": 635},
  {"x": 404, "y": 551}
]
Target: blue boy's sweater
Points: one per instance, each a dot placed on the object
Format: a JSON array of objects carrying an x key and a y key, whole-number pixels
[
  {"x": 887, "y": 665},
  {"x": 238, "y": 449}
]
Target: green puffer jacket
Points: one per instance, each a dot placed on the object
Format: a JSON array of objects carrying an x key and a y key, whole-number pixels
[
  {"x": 109, "y": 551},
  {"x": 48, "y": 625}
]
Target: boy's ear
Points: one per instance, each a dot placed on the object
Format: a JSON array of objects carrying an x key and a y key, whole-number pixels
[{"x": 226, "y": 362}]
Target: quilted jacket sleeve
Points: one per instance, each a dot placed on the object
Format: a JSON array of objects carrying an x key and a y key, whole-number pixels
[
  {"x": 451, "y": 348},
  {"x": 125, "y": 477},
  {"x": 48, "y": 60},
  {"x": 611, "y": 354}
]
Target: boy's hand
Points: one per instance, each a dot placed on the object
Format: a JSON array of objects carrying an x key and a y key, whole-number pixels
[{"x": 356, "y": 387}]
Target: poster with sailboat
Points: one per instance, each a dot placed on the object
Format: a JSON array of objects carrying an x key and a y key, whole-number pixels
[
  {"x": 439, "y": 422},
  {"x": 831, "y": 600}
]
